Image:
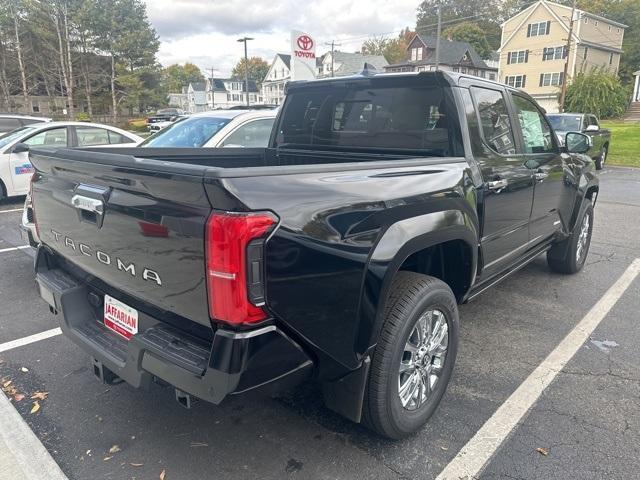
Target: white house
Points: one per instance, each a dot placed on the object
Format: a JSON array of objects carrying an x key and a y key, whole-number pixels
[
  {"x": 278, "y": 75},
  {"x": 230, "y": 92},
  {"x": 197, "y": 97}
]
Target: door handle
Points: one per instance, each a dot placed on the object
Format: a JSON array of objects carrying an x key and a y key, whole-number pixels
[
  {"x": 540, "y": 176},
  {"x": 497, "y": 185}
]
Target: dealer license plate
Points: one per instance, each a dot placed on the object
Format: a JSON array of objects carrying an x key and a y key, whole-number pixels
[{"x": 120, "y": 317}]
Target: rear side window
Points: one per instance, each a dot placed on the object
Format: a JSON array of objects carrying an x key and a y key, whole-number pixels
[
  {"x": 494, "y": 120},
  {"x": 372, "y": 116},
  {"x": 88, "y": 136},
  {"x": 116, "y": 138}
]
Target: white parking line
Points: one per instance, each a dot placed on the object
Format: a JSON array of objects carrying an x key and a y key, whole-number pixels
[
  {"x": 13, "y": 249},
  {"x": 12, "y": 210},
  {"x": 30, "y": 339},
  {"x": 479, "y": 450}
]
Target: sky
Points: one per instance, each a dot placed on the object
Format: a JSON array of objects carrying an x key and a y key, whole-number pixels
[{"x": 205, "y": 32}]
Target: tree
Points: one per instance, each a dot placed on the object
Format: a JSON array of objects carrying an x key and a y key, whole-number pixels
[
  {"x": 394, "y": 50},
  {"x": 486, "y": 13},
  {"x": 176, "y": 76},
  {"x": 471, "y": 33},
  {"x": 597, "y": 92},
  {"x": 258, "y": 69}
]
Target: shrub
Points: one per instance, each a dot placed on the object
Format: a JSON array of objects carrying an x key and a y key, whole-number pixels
[{"x": 597, "y": 92}]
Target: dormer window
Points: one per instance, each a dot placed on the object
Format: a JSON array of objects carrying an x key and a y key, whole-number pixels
[{"x": 416, "y": 54}]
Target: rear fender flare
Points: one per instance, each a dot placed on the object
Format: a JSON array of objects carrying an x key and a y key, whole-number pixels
[{"x": 401, "y": 240}]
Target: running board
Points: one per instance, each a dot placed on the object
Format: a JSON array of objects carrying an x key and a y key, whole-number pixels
[{"x": 531, "y": 255}]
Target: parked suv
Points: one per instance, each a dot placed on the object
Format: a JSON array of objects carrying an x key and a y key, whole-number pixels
[{"x": 340, "y": 252}]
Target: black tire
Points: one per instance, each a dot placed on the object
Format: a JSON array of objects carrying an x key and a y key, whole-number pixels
[
  {"x": 563, "y": 256},
  {"x": 410, "y": 296},
  {"x": 602, "y": 158}
]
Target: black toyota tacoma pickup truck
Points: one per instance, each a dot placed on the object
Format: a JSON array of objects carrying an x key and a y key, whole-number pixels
[{"x": 339, "y": 253}]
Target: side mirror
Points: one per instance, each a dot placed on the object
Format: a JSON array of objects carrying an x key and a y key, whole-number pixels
[
  {"x": 577, "y": 142},
  {"x": 592, "y": 128},
  {"x": 20, "y": 147}
]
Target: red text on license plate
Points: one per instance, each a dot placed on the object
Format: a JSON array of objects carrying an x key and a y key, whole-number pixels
[{"x": 120, "y": 317}]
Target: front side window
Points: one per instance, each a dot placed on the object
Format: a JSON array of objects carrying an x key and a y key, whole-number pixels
[
  {"x": 494, "y": 120},
  {"x": 536, "y": 132},
  {"x": 372, "y": 115},
  {"x": 565, "y": 123},
  {"x": 253, "y": 134},
  {"x": 54, "y": 137}
]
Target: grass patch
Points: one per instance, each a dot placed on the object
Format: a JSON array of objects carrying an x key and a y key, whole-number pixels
[{"x": 625, "y": 143}]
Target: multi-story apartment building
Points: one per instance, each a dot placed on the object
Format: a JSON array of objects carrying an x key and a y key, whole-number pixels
[
  {"x": 277, "y": 77},
  {"x": 533, "y": 48}
]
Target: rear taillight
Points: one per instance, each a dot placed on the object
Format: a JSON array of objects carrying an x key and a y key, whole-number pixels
[{"x": 233, "y": 245}]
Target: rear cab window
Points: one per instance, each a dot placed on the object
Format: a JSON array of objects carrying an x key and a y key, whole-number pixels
[{"x": 414, "y": 115}]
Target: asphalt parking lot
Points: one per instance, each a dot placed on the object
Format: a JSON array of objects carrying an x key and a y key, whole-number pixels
[{"x": 586, "y": 424}]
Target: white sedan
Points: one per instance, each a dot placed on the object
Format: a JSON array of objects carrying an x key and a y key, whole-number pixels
[
  {"x": 15, "y": 168},
  {"x": 217, "y": 128}
]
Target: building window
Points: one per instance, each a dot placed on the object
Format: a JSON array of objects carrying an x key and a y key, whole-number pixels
[
  {"x": 554, "y": 53},
  {"x": 416, "y": 54},
  {"x": 595, "y": 23},
  {"x": 609, "y": 27},
  {"x": 517, "y": 81},
  {"x": 611, "y": 58},
  {"x": 521, "y": 56},
  {"x": 456, "y": 69},
  {"x": 618, "y": 30},
  {"x": 483, "y": 74},
  {"x": 586, "y": 20},
  {"x": 492, "y": 76},
  {"x": 584, "y": 55},
  {"x": 538, "y": 29},
  {"x": 551, "y": 79},
  {"x": 35, "y": 107}
]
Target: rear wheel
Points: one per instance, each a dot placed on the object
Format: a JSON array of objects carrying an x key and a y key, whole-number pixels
[
  {"x": 569, "y": 255},
  {"x": 602, "y": 158},
  {"x": 414, "y": 357}
]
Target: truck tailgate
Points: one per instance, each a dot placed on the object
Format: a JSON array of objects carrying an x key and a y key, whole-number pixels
[{"x": 139, "y": 230}]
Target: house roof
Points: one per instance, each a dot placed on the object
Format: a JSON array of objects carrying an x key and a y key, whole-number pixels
[
  {"x": 351, "y": 63},
  {"x": 198, "y": 86},
  {"x": 451, "y": 53},
  {"x": 286, "y": 59}
]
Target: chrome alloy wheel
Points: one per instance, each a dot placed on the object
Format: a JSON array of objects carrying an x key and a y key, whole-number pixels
[
  {"x": 583, "y": 239},
  {"x": 423, "y": 359}
]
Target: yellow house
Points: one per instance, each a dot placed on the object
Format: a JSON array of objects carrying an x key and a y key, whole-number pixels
[{"x": 533, "y": 48}]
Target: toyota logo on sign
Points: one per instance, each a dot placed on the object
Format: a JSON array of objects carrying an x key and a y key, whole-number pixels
[{"x": 305, "y": 42}]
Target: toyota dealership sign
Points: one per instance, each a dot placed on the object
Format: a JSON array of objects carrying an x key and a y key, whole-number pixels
[{"x": 303, "y": 56}]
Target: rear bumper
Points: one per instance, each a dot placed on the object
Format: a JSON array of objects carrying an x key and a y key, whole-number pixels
[{"x": 233, "y": 363}]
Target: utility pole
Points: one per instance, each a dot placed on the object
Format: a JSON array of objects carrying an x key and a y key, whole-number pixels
[
  {"x": 213, "y": 93},
  {"x": 333, "y": 44},
  {"x": 438, "y": 38},
  {"x": 563, "y": 90},
  {"x": 246, "y": 66}
]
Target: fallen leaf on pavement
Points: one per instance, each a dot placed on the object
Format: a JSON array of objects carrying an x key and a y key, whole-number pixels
[
  {"x": 136, "y": 464},
  {"x": 36, "y": 407},
  {"x": 24, "y": 369},
  {"x": 106, "y": 458},
  {"x": 542, "y": 451},
  {"x": 162, "y": 475},
  {"x": 18, "y": 397},
  {"x": 6, "y": 384},
  {"x": 114, "y": 449},
  {"x": 39, "y": 395},
  {"x": 199, "y": 444}
]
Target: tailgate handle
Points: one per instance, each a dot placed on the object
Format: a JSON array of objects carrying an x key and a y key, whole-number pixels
[{"x": 89, "y": 204}]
